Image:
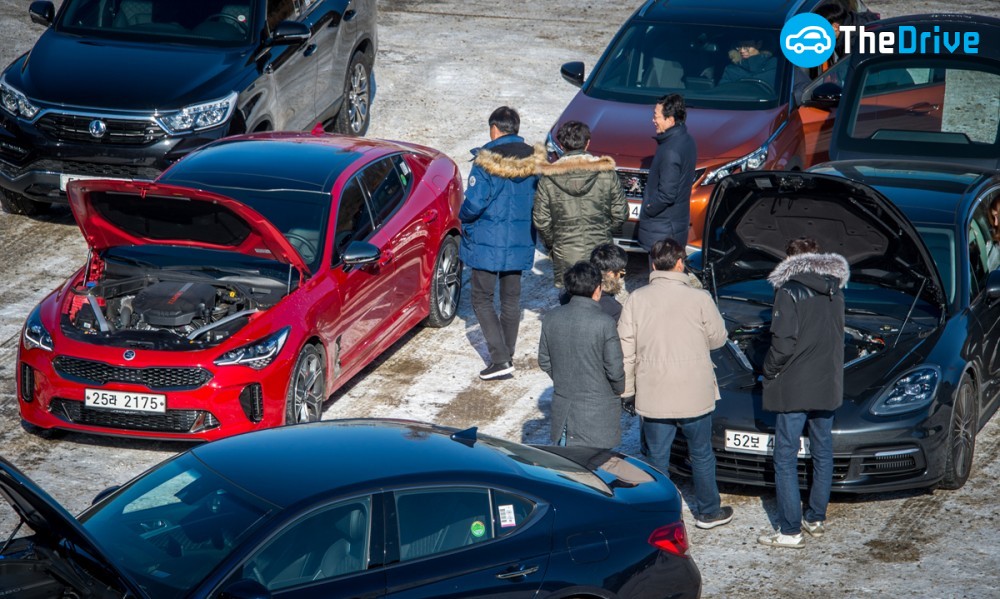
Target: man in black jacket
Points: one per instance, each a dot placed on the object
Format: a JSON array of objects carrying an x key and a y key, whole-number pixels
[
  {"x": 804, "y": 381},
  {"x": 666, "y": 210}
]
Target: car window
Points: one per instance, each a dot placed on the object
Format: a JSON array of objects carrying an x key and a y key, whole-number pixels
[
  {"x": 835, "y": 75},
  {"x": 984, "y": 255},
  {"x": 510, "y": 512},
  {"x": 279, "y": 10},
  {"x": 433, "y": 521},
  {"x": 325, "y": 544},
  {"x": 208, "y": 22},
  {"x": 354, "y": 220},
  {"x": 387, "y": 182},
  {"x": 940, "y": 243}
]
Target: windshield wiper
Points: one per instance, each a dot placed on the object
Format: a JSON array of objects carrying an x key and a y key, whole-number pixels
[{"x": 747, "y": 300}]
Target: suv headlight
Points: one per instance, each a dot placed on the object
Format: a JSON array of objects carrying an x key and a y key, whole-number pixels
[
  {"x": 198, "y": 116},
  {"x": 910, "y": 392},
  {"x": 751, "y": 162},
  {"x": 35, "y": 334},
  {"x": 258, "y": 354},
  {"x": 15, "y": 102}
]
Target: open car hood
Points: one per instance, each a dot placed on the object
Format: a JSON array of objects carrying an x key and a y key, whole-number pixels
[
  {"x": 117, "y": 213},
  {"x": 751, "y": 216},
  {"x": 50, "y": 520}
]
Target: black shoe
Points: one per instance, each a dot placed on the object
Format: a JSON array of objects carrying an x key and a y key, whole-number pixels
[
  {"x": 496, "y": 370},
  {"x": 724, "y": 516}
]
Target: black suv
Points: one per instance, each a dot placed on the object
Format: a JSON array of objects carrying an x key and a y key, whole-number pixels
[{"x": 124, "y": 88}]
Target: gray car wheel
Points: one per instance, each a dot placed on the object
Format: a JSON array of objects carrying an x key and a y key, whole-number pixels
[
  {"x": 961, "y": 437},
  {"x": 307, "y": 387},
  {"x": 355, "y": 112},
  {"x": 446, "y": 285}
]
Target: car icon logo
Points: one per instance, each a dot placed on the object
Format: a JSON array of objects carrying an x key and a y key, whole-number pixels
[
  {"x": 811, "y": 38},
  {"x": 97, "y": 128},
  {"x": 129, "y": 354}
]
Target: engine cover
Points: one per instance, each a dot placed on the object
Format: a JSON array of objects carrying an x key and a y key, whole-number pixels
[{"x": 170, "y": 304}]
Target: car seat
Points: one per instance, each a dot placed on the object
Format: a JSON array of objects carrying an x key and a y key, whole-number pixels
[
  {"x": 133, "y": 12},
  {"x": 663, "y": 73},
  {"x": 347, "y": 554}
]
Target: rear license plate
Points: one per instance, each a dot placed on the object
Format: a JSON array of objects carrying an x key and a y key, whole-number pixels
[
  {"x": 64, "y": 179},
  {"x": 633, "y": 210},
  {"x": 125, "y": 401},
  {"x": 759, "y": 443}
]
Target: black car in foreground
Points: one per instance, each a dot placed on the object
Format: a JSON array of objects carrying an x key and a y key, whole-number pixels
[
  {"x": 922, "y": 339},
  {"x": 419, "y": 511},
  {"x": 124, "y": 88}
]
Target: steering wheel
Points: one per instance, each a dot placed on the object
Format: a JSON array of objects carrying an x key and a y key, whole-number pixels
[
  {"x": 764, "y": 84},
  {"x": 243, "y": 26},
  {"x": 305, "y": 247}
]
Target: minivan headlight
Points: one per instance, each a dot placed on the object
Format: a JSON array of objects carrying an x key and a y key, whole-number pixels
[
  {"x": 751, "y": 162},
  {"x": 258, "y": 354},
  {"x": 35, "y": 334},
  {"x": 198, "y": 116},
  {"x": 912, "y": 391},
  {"x": 15, "y": 102}
]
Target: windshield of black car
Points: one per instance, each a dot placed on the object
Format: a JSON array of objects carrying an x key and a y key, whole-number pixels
[
  {"x": 170, "y": 528},
  {"x": 925, "y": 106},
  {"x": 726, "y": 68},
  {"x": 940, "y": 243},
  {"x": 198, "y": 22}
]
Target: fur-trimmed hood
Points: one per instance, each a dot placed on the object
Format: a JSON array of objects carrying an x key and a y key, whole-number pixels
[
  {"x": 832, "y": 265},
  {"x": 577, "y": 161},
  {"x": 508, "y": 165}
]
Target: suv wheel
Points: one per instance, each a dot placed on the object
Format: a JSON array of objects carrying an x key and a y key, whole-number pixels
[
  {"x": 15, "y": 203},
  {"x": 355, "y": 112}
]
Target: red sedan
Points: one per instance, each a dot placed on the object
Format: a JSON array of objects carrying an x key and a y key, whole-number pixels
[{"x": 242, "y": 287}]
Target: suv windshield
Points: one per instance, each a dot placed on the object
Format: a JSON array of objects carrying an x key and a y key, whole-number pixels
[
  {"x": 199, "y": 22},
  {"x": 728, "y": 68}
]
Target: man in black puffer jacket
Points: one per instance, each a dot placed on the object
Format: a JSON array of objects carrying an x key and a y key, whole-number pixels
[{"x": 804, "y": 381}]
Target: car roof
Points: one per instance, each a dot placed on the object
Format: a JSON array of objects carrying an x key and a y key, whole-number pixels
[
  {"x": 287, "y": 464},
  {"x": 926, "y": 192},
  {"x": 759, "y": 13},
  {"x": 294, "y": 161}
]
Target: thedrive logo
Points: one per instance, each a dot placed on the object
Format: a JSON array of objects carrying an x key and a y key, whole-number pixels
[
  {"x": 807, "y": 40},
  {"x": 910, "y": 41}
]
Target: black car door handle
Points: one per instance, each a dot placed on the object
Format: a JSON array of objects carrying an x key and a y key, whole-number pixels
[
  {"x": 309, "y": 50},
  {"x": 518, "y": 573},
  {"x": 349, "y": 15}
]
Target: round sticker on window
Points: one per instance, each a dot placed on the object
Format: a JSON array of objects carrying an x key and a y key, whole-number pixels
[{"x": 478, "y": 529}]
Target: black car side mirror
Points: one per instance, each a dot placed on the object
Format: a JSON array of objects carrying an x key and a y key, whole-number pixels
[
  {"x": 100, "y": 496},
  {"x": 287, "y": 33},
  {"x": 359, "y": 252},
  {"x": 573, "y": 72},
  {"x": 245, "y": 589},
  {"x": 825, "y": 96},
  {"x": 42, "y": 12},
  {"x": 993, "y": 285}
]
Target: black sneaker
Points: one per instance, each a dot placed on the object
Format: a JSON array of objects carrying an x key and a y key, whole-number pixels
[
  {"x": 724, "y": 516},
  {"x": 496, "y": 370}
]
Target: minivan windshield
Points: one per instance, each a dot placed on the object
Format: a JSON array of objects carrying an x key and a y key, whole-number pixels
[
  {"x": 197, "y": 22},
  {"x": 727, "y": 68}
]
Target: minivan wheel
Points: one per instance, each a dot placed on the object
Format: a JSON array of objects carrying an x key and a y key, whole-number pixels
[
  {"x": 15, "y": 203},
  {"x": 446, "y": 285},
  {"x": 355, "y": 112},
  {"x": 307, "y": 387},
  {"x": 961, "y": 437}
]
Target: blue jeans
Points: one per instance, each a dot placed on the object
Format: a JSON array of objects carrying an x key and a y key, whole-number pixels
[
  {"x": 698, "y": 431},
  {"x": 786, "y": 477}
]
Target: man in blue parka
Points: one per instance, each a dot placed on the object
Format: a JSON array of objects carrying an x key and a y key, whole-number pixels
[{"x": 498, "y": 241}]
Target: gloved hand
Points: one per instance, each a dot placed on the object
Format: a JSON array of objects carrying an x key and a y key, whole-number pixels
[{"x": 628, "y": 405}]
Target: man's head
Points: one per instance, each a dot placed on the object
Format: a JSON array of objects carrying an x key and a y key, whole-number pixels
[
  {"x": 667, "y": 254},
  {"x": 801, "y": 245},
  {"x": 834, "y": 13},
  {"x": 504, "y": 121},
  {"x": 748, "y": 48},
  {"x": 610, "y": 260},
  {"x": 573, "y": 136},
  {"x": 669, "y": 111},
  {"x": 583, "y": 279}
]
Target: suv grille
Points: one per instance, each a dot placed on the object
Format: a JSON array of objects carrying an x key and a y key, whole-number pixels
[
  {"x": 72, "y": 127},
  {"x": 156, "y": 379},
  {"x": 174, "y": 421}
]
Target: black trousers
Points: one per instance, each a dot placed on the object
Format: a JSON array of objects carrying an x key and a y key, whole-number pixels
[{"x": 500, "y": 331}]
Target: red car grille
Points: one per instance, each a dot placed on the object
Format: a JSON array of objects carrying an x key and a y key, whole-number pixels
[
  {"x": 173, "y": 421},
  {"x": 70, "y": 127},
  {"x": 156, "y": 378}
]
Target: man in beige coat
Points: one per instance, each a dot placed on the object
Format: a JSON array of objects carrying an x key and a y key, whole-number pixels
[{"x": 667, "y": 330}]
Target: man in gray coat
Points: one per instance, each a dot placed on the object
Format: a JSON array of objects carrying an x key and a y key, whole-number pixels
[{"x": 580, "y": 350}]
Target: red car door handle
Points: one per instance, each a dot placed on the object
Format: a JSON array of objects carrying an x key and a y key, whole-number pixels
[
  {"x": 922, "y": 108},
  {"x": 385, "y": 258},
  {"x": 429, "y": 216},
  {"x": 519, "y": 572}
]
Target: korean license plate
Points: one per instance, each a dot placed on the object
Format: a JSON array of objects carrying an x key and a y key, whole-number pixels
[
  {"x": 634, "y": 208},
  {"x": 102, "y": 399},
  {"x": 759, "y": 443},
  {"x": 64, "y": 179}
]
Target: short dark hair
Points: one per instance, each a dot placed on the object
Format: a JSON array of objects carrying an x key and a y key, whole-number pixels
[
  {"x": 672, "y": 105},
  {"x": 506, "y": 120},
  {"x": 573, "y": 135},
  {"x": 582, "y": 278},
  {"x": 665, "y": 253},
  {"x": 608, "y": 257},
  {"x": 801, "y": 245},
  {"x": 833, "y": 12}
]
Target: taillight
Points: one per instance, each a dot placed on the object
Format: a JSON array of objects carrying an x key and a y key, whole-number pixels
[{"x": 671, "y": 538}]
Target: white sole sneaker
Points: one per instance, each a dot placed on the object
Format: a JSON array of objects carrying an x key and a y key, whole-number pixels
[
  {"x": 776, "y": 539},
  {"x": 815, "y": 529}
]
